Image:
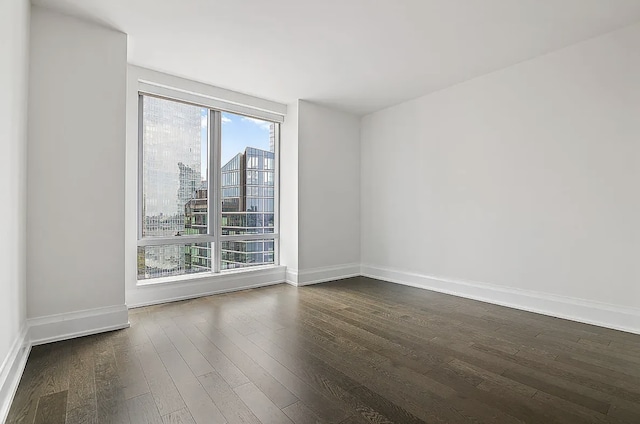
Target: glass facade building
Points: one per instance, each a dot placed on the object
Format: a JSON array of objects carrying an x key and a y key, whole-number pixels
[
  {"x": 197, "y": 257},
  {"x": 248, "y": 208}
]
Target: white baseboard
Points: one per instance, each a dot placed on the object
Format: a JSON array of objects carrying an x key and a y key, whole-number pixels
[
  {"x": 152, "y": 294},
  {"x": 65, "y": 326},
  {"x": 585, "y": 311},
  {"x": 11, "y": 371},
  {"x": 291, "y": 276},
  {"x": 320, "y": 275}
]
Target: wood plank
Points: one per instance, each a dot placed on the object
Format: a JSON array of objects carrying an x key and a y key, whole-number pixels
[
  {"x": 234, "y": 410},
  {"x": 33, "y": 380},
  {"x": 143, "y": 410},
  {"x": 52, "y": 409},
  {"x": 130, "y": 371},
  {"x": 266, "y": 411},
  {"x": 82, "y": 390},
  {"x": 202, "y": 408},
  {"x": 192, "y": 356},
  {"x": 162, "y": 387},
  {"x": 323, "y": 406},
  {"x": 300, "y": 414},
  {"x": 155, "y": 333},
  {"x": 221, "y": 364},
  {"x": 273, "y": 389},
  {"x": 83, "y": 415},
  {"x": 110, "y": 401},
  {"x": 182, "y": 416}
]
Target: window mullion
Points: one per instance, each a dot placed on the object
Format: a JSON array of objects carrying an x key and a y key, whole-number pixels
[
  {"x": 215, "y": 203},
  {"x": 276, "y": 194},
  {"x": 140, "y": 166},
  {"x": 243, "y": 237},
  {"x": 163, "y": 241}
]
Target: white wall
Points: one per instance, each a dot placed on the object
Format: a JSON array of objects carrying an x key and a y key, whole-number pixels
[
  {"x": 76, "y": 154},
  {"x": 289, "y": 190},
  {"x": 328, "y": 189},
  {"x": 14, "y": 33},
  {"x": 526, "y": 179}
]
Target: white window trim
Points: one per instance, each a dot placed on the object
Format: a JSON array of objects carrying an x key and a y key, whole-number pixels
[
  {"x": 158, "y": 90},
  {"x": 171, "y": 87},
  {"x": 171, "y": 289},
  {"x": 141, "y": 80}
]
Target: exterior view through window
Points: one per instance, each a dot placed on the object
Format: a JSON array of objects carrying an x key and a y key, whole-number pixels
[{"x": 207, "y": 190}]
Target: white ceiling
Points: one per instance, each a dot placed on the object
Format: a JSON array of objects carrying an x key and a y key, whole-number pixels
[{"x": 356, "y": 55}]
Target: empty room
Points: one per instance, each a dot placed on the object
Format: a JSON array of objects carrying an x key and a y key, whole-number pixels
[{"x": 304, "y": 212}]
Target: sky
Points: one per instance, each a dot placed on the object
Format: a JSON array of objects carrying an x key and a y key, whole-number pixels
[{"x": 238, "y": 132}]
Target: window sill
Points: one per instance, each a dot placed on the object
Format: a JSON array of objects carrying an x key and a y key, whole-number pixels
[{"x": 211, "y": 276}]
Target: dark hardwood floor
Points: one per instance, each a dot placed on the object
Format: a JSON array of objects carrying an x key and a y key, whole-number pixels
[{"x": 351, "y": 351}]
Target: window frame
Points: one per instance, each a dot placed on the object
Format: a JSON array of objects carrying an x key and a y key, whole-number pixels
[{"x": 214, "y": 191}]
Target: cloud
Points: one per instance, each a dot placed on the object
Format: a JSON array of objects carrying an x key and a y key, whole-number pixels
[
  {"x": 264, "y": 125},
  {"x": 226, "y": 120},
  {"x": 204, "y": 121}
]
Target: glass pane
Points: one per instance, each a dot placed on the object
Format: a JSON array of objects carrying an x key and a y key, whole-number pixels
[
  {"x": 175, "y": 158},
  {"x": 245, "y": 253},
  {"x": 248, "y": 174},
  {"x": 173, "y": 259}
]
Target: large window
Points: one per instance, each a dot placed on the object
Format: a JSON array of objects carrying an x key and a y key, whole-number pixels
[{"x": 207, "y": 189}]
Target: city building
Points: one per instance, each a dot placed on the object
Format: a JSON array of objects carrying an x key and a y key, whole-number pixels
[
  {"x": 197, "y": 256},
  {"x": 248, "y": 207},
  {"x": 247, "y": 185}
]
